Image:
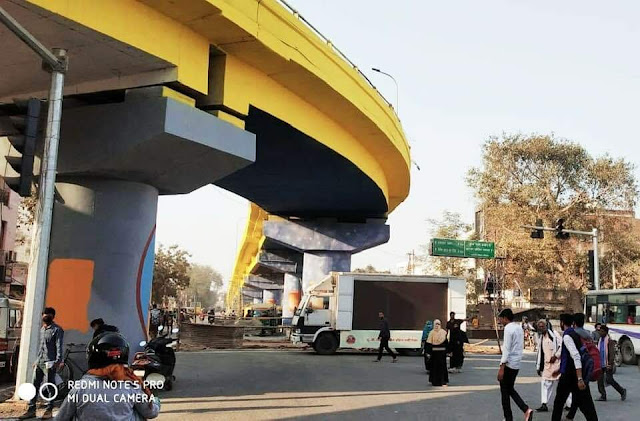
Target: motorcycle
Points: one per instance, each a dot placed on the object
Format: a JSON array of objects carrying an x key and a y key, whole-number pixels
[{"x": 156, "y": 363}]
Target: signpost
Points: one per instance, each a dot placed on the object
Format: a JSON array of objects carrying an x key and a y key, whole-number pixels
[{"x": 446, "y": 247}]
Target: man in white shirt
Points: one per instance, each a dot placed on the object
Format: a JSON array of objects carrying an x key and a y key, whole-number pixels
[
  {"x": 510, "y": 365},
  {"x": 548, "y": 363},
  {"x": 571, "y": 380}
]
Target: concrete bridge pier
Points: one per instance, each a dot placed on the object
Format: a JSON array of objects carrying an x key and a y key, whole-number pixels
[
  {"x": 101, "y": 256},
  {"x": 326, "y": 246},
  {"x": 114, "y": 160},
  {"x": 290, "y": 296},
  {"x": 272, "y": 296}
]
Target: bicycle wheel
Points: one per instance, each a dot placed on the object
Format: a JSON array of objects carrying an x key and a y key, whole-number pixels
[{"x": 66, "y": 373}]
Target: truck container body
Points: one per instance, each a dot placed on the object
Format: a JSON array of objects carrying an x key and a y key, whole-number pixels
[{"x": 342, "y": 310}]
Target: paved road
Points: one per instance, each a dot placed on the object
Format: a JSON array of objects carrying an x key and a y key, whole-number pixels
[{"x": 260, "y": 385}]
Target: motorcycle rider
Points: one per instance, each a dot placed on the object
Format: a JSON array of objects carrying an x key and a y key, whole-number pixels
[
  {"x": 99, "y": 327},
  {"x": 97, "y": 398}
]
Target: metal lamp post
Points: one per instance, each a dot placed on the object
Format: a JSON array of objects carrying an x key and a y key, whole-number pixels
[{"x": 394, "y": 81}]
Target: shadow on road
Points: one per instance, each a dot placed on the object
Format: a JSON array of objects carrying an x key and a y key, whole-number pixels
[{"x": 302, "y": 385}]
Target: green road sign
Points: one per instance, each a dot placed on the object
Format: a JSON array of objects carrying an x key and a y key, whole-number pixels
[{"x": 446, "y": 247}]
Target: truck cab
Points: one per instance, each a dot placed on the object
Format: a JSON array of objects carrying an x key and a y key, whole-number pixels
[
  {"x": 10, "y": 330},
  {"x": 313, "y": 316}
]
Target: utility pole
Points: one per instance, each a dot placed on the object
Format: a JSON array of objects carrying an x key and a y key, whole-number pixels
[
  {"x": 411, "y": 263},
  {"x": 54, "y": 62}
]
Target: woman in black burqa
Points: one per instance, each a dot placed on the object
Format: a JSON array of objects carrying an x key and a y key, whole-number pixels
[
  {"x": 457, "y": 339},
  {"x": 437, "y": 348}
]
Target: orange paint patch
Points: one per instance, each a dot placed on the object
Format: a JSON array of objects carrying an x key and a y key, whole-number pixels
[
  {"x": 294, "y": 300},
  {"x": 69, "y": 291}
]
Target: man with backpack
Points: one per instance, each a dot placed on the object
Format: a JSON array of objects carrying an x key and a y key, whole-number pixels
[
  {"x": 586, "y": 339},
  {"x": 573, "y": 378},
  {"x": 607, "y": 348}
]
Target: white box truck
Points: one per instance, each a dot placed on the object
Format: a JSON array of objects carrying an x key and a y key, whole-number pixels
[{"x": 341, "y": 311}]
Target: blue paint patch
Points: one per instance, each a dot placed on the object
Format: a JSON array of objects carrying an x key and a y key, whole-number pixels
[{"x": 146, "y": 280}]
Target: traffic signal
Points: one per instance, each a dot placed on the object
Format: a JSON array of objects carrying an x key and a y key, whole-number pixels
[
  {"x": 22, "y": 131},
  {"x": 559, "y": 227},
  {"x": 591, "y": 270},
  {"x": 538, "y": 233}
]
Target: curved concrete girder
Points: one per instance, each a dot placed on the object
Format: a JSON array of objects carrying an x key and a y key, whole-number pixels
[
  {"x": 272, "y": 40},
  {"x": 246, "y": 259},
  {"x": 273, "y": 60}
]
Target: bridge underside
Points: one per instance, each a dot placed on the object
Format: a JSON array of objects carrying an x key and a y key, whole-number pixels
[{"x": 312, "y": 180}]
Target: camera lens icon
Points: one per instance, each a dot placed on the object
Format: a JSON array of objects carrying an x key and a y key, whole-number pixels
[
  {"x": 47, "y": 391},
  {"x": 51, "y": 395}
]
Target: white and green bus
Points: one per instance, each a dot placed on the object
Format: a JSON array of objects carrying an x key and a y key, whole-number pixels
[{"x": 619, "y": 309}]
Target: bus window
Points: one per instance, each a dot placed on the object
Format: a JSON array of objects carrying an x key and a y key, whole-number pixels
[
  {"x": 618, "y": 314},
  {"x": 592, "y": 313},
  {"x": 617, "y": 299},
  {"x": 602, "y": 314},
  {"x": 632, "y": 314}
]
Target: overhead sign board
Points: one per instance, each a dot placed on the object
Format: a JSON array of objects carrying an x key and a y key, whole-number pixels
[{"x": 447, "y": 247}]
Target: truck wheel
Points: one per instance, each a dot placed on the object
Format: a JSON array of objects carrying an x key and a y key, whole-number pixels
[
  {"x": 13, "y": 367},
  {"x": 326, "y": 344},
  {"x": 628, "y": 353}
]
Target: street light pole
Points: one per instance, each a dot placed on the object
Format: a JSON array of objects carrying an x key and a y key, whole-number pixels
[
  {"x": 56, "y": 63},
  {"x": 596, "y": 264},
  {"x": 394, "y": 81}
]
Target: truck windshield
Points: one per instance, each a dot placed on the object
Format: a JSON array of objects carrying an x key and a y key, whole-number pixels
[{"x": 302, "y": 305}]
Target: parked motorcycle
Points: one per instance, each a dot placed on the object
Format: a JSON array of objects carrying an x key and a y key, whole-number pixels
[{"x": 157, "y": 361}]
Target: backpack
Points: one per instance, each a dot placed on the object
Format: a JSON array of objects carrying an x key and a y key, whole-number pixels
[{"x": 589, "y": 357}]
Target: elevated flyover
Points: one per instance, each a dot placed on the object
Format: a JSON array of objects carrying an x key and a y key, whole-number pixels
[{"x": 163, "y": 97}]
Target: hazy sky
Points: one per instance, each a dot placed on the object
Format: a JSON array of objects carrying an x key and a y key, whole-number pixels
[{"x": 467, "y": 70}]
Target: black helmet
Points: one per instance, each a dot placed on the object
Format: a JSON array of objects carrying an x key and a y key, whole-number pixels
[{"x": 107, "y": 348}]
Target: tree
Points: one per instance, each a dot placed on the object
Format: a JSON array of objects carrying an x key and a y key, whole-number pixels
[
  {"x": 26, "y": 217},
  {"x": 525, "y": 178},
  {"x": 369, "y": 269},
  {"x": 205, "y": 284},
  {"x": 451, "y": 226},
  {"x": 170, "y": 272}
]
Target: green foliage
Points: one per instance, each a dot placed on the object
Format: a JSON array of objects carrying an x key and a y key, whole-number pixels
[
  {"x": 170, "y": 272},
  {"x": 524, "y": 178},
  {"x": 205, "y": 284},
  {"x": 452, "y": 226},
  {"x": 369, "y": 269},
  {"x": 26, "y": 217}
]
